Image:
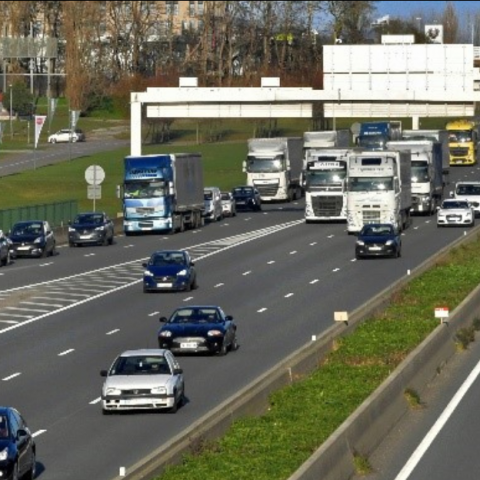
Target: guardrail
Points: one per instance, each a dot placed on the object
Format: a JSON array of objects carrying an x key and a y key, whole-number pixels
[{"x": 364, "y": 430}]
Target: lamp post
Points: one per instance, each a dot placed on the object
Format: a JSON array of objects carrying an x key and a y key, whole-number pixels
[{"x": 11, "y": 111}]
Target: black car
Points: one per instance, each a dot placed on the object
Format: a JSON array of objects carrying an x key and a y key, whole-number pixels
[
  {"x": 17, "y": 446},
  {"x": 91, "y": 228},
  {"x": 169, "y": 270},
  {"x": 247, "y": 198},
  {"x": 198, "y": 329},
  {"x": 378, "y": 240},
  {"x": 6, "y": 249},
  {"x": 32, "y": 238}
]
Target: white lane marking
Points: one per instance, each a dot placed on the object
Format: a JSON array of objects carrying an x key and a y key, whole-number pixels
[
  {"x": 288, "y": 295},
  {"x": 247, "y": 273},
  {"x": 55, "y": 305},
  {"x": 38, "y": 432},
  {"x": 97, "y": 400},
  {"x": 353, "y": 260},
  {"x": 48, "y": 298},
  {"x": 89, "y": 255},
  {"x": 335, "y": 270},
  {"x": 27, "y": 309},
  {"x": 6, "y": 379},
  {"x": 314, "y": 281},
  {"x": 66, "y": 352},
  {"x": 313, "y": 243},
  {"x": 439, "y": 424},
  {"x": 187, "y": 299},
  {"x": 271, "y": 262},
  {"x": 153, "y": 314},
  {"x": 293, "y": 252},
  {"x": 8, "y": 321},
  {"x": 45, "y": 264},
  {"x": 330, "y": 236},
  {"x": 128, "y": 246},
  {"x": 219, "y": 285},
  {"x": 15, "y": 315},
  {"x": 261, "y": 310},
  {"x": 111, "y": 332}
]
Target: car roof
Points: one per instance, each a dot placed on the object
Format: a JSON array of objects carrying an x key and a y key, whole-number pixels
[
  {"x": 467, "y": 183},
  {"x": 26, "y": 222},
  {"x": 160, "y": 352},
  {"x": 157, "y": 252}
]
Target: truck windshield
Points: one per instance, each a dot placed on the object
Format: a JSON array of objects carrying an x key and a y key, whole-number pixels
[
  {"x": 142, "y": 189},
  {"x": 420, "y": 172},
  {"x": 324, "y": 177},
  {"x": 370, "y": 184},
  {"x": 372, "y": 142},
  {"x": 460, "y": 136},
  {"x": 265, "y": 164}
]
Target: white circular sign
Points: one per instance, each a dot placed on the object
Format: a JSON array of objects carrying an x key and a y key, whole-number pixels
[{"x": 94, "y": 175}]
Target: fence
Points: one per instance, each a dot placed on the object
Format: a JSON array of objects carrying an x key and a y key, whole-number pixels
[{"x": 57, "y": 214}]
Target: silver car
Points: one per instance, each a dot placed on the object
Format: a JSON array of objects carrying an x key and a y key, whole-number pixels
[
  {"x": 229, "y": 206},
  {"x": 455, "y": 212},
  {"x": 66, "y": 135},
  {"x": 143, "y": 379}
]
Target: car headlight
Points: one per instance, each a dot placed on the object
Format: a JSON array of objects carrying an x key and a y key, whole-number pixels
[
  {"x": 71, "y": 230},
  {"x": 112, "y": 391},
  {"x": 183, "y": 272},
  {"x": 161, "y": 390},
  {"x": 101, "y": 228},
  {"x": 215, "y": 333},
  {"x": 360, "y": 243},
  {"x": 147, "y": 273},
  {"x": 3, "y": 454},
  {"x": 389, "y": 242},
  {"x": 165, "y": 333},
  {"x": 38, "y": 240}
]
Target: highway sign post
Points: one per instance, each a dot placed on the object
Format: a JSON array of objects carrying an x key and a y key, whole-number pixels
[{"x": 94, "y": 176}]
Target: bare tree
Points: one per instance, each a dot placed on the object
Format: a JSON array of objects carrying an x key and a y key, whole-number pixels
[{"x": 450, "y": 24}]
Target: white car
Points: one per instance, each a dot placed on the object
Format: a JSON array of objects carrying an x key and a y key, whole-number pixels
[
  {"x": 229, "y": 205},
  {"x": 469, "y": 191},
  {"x": 143, "y": 379},
  {"x": 66, "y": 135},
  {"x": 455, "y": 212}
]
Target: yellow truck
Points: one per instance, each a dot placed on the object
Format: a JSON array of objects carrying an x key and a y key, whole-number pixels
[{"x": 462, "y": 142}]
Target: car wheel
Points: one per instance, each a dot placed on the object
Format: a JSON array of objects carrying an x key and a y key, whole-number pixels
[
  {"x": 71, "y": 244},
  {"x": 234, "y": 345},
  {"x": 195, "y": 284},
  {"x": 145, "y": 289},
  {"x": 53, "y": 251},
  {"x": 53, "y": 140},
  {"x": 15, "y": 472},
  {"x": 105, "y": 241},
  {"x": 223, "y": 350},
  {"x": 6, "y": 260},
  {"x": 30, "y": 475},
  {"x": 174, "y": 409},
  {"x": 44, "y": 253},
  {"x": 106, "y": 412},
  {"x": 110, "y": 240},
  {"x": 188, "y": 287}
]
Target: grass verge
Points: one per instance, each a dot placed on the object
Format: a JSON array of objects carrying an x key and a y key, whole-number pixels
[{"x": 302, "y": 416}]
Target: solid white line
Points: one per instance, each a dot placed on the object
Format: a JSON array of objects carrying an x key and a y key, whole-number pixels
[
  {"x": 5, "y": 379},
  {"x": 111, "y": 332},
  {"x": 66, "y": 352},
  {"x": 439, "y": 424},
  {"x": 289, "y": 295},
  {"x": 293, "y": 252},
  {"x": 38, "y": 432},
  {"x": 261, "y": 310},
  {"x": 247, "y": 273},
  {"x": 187, "y": 299},
  {"x": 271, "y": 262},
  {"x": 219, "y": 285},
  {"x": 153, "y": 314},
  {"x": 93, "y": 402},
  {"x": 314, "y": 281},
  {"x": 335, "y": 270},
  {"x": 313, "y": 243}
]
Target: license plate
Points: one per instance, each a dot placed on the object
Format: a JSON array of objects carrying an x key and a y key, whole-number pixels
[
  {"x": 23, "y": 248},
  {"x": 85, "y": 237},
  {"x": 164, "y": 285},
  {"x": 375, "y": 249},
  {"x": 188, "y": 345},
  {"x": 133, "y": 401}
]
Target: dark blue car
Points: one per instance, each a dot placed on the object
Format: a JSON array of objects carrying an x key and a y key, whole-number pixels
[
  {"x": 198, "y": 329},
  {"x": 17, "y": 446},
  {"x": 378, "y": 240},
  {"x": 171, "y": 270},
  {"x": 32, "y": 238},
  {"x": 91, "y": 228}
]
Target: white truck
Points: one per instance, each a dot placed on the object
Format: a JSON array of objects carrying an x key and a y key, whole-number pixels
[
  {"x": 379, "y": 189},
  {"x": 324, "y": 175},
  {"x": 427, "y": 173},
  {"x": 274, "y": 167}
]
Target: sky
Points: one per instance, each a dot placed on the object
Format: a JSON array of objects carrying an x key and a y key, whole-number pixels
[{"x": 405, "y": 8}]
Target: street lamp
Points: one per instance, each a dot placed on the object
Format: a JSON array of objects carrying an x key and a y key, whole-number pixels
[{"x": 11, "y": 111}]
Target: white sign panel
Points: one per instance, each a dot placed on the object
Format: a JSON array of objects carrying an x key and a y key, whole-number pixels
[
  {"x": 94, "y": 175},
  {"x": 94, "y": 192}
]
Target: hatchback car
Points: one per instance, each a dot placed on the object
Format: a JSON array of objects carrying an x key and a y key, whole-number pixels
[
  {"x": 169, "y": 270},
  {"x": 198, "y": 329},
  {"x": 378, "y": 240},
  {"x": 143, "y": 379},
  {"x": 213, "y": 204},
  {"x": 247, "y": 198},
  {"x": 455, "y": 213},
  {"x": 17, "y": 446},
  {"x": 66, "y": 135},
  {"x": 469, "y": 191},
  {"x": 6, "y": 249},
  {"x": 229, "y": 206},
  {"x": 91, "y": 228},
  {"x": 32, "y": 238}
]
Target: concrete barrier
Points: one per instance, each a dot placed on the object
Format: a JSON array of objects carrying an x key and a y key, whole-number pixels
[{"x": 362, "y": 431}]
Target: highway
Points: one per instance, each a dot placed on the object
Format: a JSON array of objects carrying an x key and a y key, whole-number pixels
[{"x": 64, "y": 318}]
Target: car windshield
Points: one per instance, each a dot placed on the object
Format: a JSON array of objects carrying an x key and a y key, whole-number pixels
[
  {"x": 168, "y": 258},
  {"x": 196, "y": 315},
  {"x": 450, "y": 205},
  {"x": 468, "y": 190},
  {"x": 3, "y": 427},
  {"x": 208, "y": 195},
  {"x": 140, "y": 365},
  {"x": 243, "y": 192},
  {"x": 225, "y": 196},
  {"x": 89, "y": 218},
  {"x": 27, "y": 229},
  {"x": 378, "y": 230}
]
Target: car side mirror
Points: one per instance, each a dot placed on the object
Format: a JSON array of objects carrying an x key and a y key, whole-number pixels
[
  {"x": 21, "y": 432},
  {"x": 192, "y": 263},
  {"x": 451, "y": 195},
  {"x": 103, "y": 373},
  {"x": 144, "y": 264},
  {"x": 163, "y": 319},
  {"x": 177, "y": 371},
  {"x": 228, "y": 317}
]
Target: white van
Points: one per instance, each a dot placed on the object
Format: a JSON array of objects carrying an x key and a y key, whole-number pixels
[
  {"x": 468, "y": 191},
  {"x": 213, "y": 204}
]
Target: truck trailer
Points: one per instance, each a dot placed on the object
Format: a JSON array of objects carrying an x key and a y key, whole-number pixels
[
  {"x": 162, "y": 193},
  {"x": 379, "y": 189},
  {"x": 375, "y": 135},
  {"x": 274, "y": 167}
]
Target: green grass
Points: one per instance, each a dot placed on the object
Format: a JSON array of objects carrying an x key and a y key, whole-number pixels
[{"x": 303, "y": 415}]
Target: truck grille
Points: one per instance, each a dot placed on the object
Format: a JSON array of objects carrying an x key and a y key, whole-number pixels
[
  {"x": 267, "y": 190},
  {"x": 327, "y": 206},
  {"x": 371, "y": 216},
  {"x": 459, "y": 151},
  {"x": 145, "y": 224}
]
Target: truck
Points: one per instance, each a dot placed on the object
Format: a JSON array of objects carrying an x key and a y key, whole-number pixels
[
  {"x": 427, "y": 173},
  {"x": 374, "y": 135},
  {"x": 462, "y": 142},
  {"x": 434, "y": 136},
  {"x": 326, "y": 139},
  {"x": 162, "y": 193},
  {"x": 274, "y": 167},
  {"x": 378, "y": 189}
]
